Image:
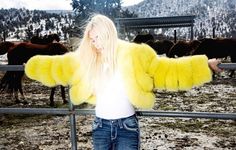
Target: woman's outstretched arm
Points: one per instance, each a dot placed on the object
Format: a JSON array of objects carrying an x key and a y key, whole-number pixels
[{"x": 52, "y": 70}]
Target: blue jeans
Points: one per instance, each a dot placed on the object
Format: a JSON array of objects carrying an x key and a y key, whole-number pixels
[{"x": 118, "y": 134}]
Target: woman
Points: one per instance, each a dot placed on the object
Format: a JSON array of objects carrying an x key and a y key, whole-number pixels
[{"x": 117, "y": 76}]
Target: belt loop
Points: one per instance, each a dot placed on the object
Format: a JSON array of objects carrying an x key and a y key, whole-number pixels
[
  {"x": 100, "y": 122},
  {"x": 120, "y": 123}
]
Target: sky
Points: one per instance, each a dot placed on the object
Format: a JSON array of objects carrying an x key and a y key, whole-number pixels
[{"x": 48, "y": 4}]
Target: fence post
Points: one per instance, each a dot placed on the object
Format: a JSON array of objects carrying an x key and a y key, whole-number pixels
[
  {"x": 73, "y": 127},
  {"x": 213, "y": 32},
  {"x": 175, "y": 36}
]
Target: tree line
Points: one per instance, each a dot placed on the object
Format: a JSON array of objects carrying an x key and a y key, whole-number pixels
[{"x": 22, "y": 23}]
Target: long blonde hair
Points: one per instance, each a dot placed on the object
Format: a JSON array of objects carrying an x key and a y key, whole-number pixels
[{"x": 93, "y": 63}]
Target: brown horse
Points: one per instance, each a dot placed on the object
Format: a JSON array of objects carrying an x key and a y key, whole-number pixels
[{"x": 19, "y": 54}]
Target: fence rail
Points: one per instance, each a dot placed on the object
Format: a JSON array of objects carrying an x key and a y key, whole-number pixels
[
  {"x": 72, "y": 111},
  {"x": 230, "y": 66},
  {"x": 227, "y": 66},
  {"x": 65, "y": 111}
]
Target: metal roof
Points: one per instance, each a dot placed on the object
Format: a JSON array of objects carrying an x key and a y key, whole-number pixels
[{"x": 155, "y": 22}]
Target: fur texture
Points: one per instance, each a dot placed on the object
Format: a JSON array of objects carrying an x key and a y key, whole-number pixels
[{"x": 142, "y": 70}]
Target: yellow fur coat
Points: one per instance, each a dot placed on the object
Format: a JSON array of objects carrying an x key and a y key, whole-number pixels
[{"x": 142, "y": 70}]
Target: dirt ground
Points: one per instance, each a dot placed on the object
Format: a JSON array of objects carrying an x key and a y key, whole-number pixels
[{"x": 45, "y": 132}]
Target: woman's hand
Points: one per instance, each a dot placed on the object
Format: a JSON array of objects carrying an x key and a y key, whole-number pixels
[{"x": 213, "y": 64}]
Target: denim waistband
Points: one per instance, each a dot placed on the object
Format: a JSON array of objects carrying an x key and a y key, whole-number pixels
[{"x": 114, "y": 121}]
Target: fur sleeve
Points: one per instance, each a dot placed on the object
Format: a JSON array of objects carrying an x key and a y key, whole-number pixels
[
  {"x": 52, "y": 70},
  {"x": 180, "y": 74}
]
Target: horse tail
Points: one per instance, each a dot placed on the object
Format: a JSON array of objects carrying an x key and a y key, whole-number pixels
[
  {"x": 5, "y": 81},
  {"x": 11, "y": 81}
]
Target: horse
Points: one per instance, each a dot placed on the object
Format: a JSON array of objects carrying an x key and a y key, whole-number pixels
[
  {"x": 51, "y": 38},
  {"x": 183, "y": 48},
  {"x": 217, "y": 48},
  {"x": 160, "y": 46},
  {"x": 45, "y": 39},
  {"x": 19, "y": 54},
  {"x": 5, "y": 47},
  {"x": 143, "y": 38}
]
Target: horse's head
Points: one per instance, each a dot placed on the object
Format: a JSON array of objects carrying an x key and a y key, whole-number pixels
[{"x": 5, "y": 47}]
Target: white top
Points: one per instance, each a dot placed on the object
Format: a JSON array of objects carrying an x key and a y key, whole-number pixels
[{"x": 112, "y": 102}]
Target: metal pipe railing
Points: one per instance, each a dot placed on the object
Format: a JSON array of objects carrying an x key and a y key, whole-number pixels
[
  {"x": 71, "y": 111},
  {"x": 230, "y": 66},
  {"x": 226, "y": 66},
  {"x": 11, "y": 67}
]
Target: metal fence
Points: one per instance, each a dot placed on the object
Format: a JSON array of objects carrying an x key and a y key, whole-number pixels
[{"x": 71, "y": 111}]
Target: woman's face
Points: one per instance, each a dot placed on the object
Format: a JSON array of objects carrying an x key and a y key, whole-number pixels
[{"x": 95, "y": 41}]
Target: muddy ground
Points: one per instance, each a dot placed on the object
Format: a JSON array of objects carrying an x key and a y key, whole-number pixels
[{"x": 44, "y": 132}]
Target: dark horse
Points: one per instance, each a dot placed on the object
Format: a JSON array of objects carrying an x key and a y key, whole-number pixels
[
  {"x": 161, "y": 47},
  {"x": 217, "y": 48},
  {"x": 19, "y": 54},
  {"x": 143, "y": 38},
  {"x": 183, "y": 48},
  {"x": 45, "y": 39}
]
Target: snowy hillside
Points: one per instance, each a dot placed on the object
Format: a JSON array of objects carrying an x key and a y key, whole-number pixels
[
  {"x": 22, "y": 24},
  {"x": 220, "y": 14}
]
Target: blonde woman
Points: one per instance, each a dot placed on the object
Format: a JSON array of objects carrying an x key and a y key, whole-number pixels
[{"x": 118, "y": 77}]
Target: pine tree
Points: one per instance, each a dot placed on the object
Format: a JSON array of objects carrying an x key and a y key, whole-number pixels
[
  {"x": 83, "y": 9},
  {"x": 111, "y": 8}
]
